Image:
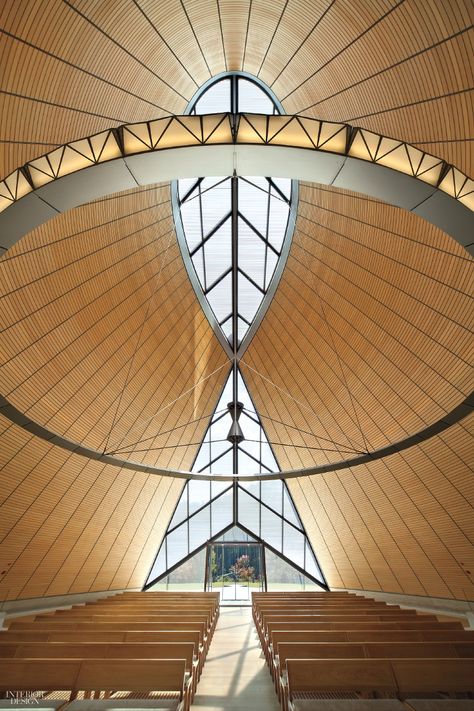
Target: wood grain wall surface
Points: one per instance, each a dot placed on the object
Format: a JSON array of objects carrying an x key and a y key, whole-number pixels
[
  {"x": 401, "y": 524},
  {"x": 73, "y": 525},
  {"x": 103, "y": 339},
  {"x": 369, "y": 339},
  {"x": 399, "y": 67},
  {"x": 368, "y": 332}
]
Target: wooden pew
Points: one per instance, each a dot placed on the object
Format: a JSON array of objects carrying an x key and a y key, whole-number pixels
[
  {"x": 278, "y": 636},
  {"x": 301, "y": 593},
  {"x": 376, "y": 677},
  {"x": 209, "y": 601},
  {"x": 158, "y": 604},
  {"x": 91, "y": 627},
  {"x": 364, "y": 627},
  {"x": 159, "y": 593},
  {"x": 262, "y": 628},
  {"x": 370, "y": 650},
  {"x": 112, "y": 650},
  {"x": 162, "y": 622},
  {"x": 311, "y": 608},
  {"x": 209, "y": 609},
  {"x": 115, "y": 637},
  {"x": 331, "y": 616},
  {"x": 74, "y": 675},
  {"x": 304, "y": 615},
  {"x": 92, "y": 613},
  {"x": 138, "y": 614}
]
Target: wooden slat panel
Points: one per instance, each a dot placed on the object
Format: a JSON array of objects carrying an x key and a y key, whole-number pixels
[
  {"x": 68, "y": 68},
  {"x": 104, "y": 340},
  {"x": 82, "y": 527},
  {"x": 369, "y": 336},
  {"x": 368, "y": 340},
  {"x": 404, "y": 516}
]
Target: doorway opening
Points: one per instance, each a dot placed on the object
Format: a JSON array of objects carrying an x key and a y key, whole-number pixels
[{"x": 235, "y": 570}]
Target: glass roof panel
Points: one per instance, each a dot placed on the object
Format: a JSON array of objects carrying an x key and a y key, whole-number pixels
[
  {"x": 284, "y": 185},
  {"x": 219, "y": 245},
  {"x": 253, "y": 100},
  {"x": 272, "y": 261},
  {"x": 185, "y": 185},
  {"x": 244, "y": 396},
  {"x": 198, "y": 262},
  {"x": 215, "y": 205},
  {"x": 220, "y": 297},
  {"x": 262, "y": 202},
  {"x": 277, "y": 221},
  {"x": 242, "y": 328},
  {"x": 191, "y": 223},
  {"x": 250, "y": 298},
  {"x": 234, "y": 229},
  {"x": 253, "y": 203},
  {"x": 215, "y": 100},
  {"x": 227, "y": 328},
  {"x": 252, "y": 253}
]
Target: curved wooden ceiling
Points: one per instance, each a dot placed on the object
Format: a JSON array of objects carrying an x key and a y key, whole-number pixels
[
  {"x": 103, "y": 339},
  {"x": 368, "y": 339},
  {"x": 402, "y": 524},
  {"x": 69, "y": 525},
  {"x": 76, "y": 67},
  {"x": 383, "y": 290},
  {"x": 369, "y": 336}
]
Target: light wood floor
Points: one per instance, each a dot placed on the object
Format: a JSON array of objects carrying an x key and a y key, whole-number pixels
[{"x": 235, "y": 676}]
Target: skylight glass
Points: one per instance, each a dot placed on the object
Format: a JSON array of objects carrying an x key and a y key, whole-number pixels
[
  {"x": 234, "y": 234},
  {"x": 254, "y": 454},
  {"x": 255, "y": 214},
  {"x": 246, "y": 510}
]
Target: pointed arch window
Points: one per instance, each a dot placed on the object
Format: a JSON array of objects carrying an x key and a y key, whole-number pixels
[{"x": 234, "y": 232}]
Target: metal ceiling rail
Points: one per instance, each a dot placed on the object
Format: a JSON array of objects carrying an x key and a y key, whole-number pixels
[{"x": 457, "y": 414}]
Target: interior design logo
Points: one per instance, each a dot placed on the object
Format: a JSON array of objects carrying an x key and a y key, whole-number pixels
[{"x": 23, "y": 697}]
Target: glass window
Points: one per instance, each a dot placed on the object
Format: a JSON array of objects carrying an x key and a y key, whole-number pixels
[
  {"x": 187, "y": 577},
  {"x": 233, "y": 233},
  {"x": 222, "y": 512},
  {"x": 281, "y": 576},
  {"x": 259, "y": 217},
  {"x": 200, "y": 527},
  {"x": 177, "y": 544}
]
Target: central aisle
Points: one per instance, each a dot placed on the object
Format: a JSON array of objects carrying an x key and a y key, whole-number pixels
[{"x": 235, "y": 675}]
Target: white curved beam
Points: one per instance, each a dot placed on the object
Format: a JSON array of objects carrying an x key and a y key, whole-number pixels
[{"x": 198, "y": 146}]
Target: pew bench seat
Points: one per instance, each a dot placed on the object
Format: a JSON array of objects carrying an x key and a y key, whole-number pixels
[
  {"x": 167, "y": 676},
  {"x": 398, "y": 678}
]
